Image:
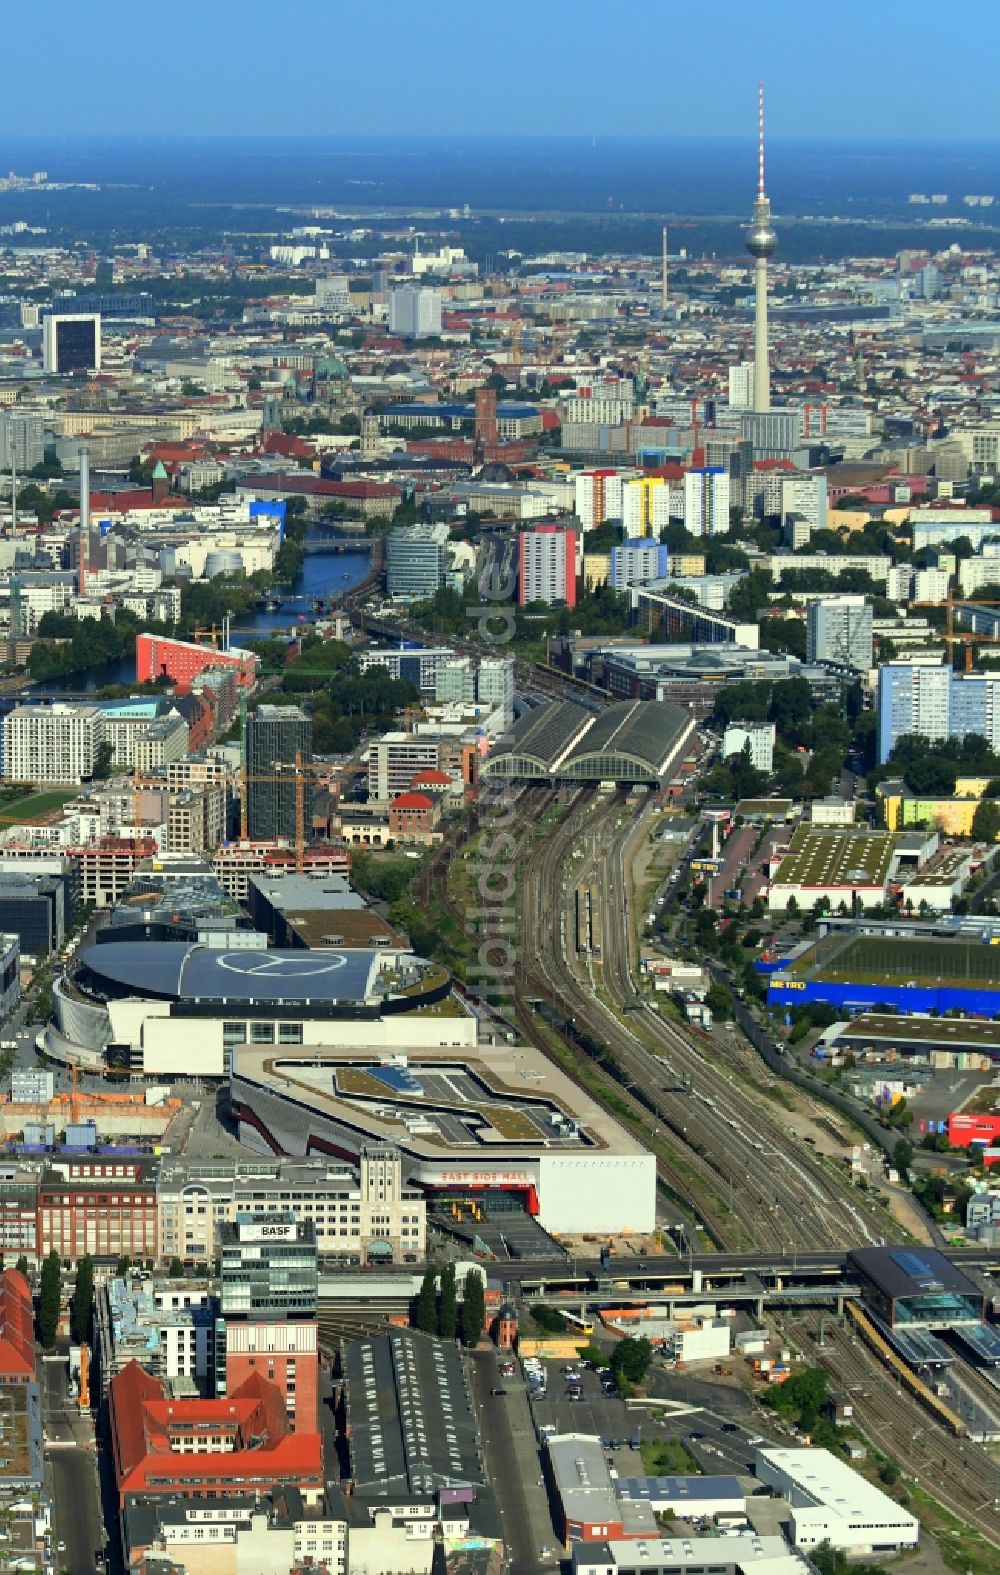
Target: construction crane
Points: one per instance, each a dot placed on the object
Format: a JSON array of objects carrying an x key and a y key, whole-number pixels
[
  {"x": 515, "y": 344},
  {"x": 298, "y": 771},
  {"x": 965, "y": 637},
  {"x": 84, "y": 1400}
]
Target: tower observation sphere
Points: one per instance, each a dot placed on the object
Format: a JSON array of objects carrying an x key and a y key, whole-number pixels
[{"x": 761, "y": 239}]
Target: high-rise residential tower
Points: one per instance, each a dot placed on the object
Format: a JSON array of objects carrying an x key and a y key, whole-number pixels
[
  {"x": 275, "y": 735},
  {"x": 761, "y": 241}
]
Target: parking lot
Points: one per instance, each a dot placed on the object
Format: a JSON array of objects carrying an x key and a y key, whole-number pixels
[
  {"x": 719, "y": 1443},
  {"x": 604, "y": 1415}
]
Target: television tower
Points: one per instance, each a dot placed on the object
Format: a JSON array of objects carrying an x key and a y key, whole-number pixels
[{"x": 761, "y": 241}]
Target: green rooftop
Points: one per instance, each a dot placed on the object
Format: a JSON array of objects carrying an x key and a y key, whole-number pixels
[
  {"x": 898, "y": 961},
  {"x": 824, "y": 859}
]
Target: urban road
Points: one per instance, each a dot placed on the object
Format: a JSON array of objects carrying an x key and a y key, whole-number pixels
[
  {"x": 71, "y": 1468},
  {"x": 653, "y": 1268}
]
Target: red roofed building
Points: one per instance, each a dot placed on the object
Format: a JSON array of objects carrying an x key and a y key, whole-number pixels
[
  {"x": 241, "y": 1446},
  {"x": 372, "y": 499},
  {"x": 432, "y": 782},
  {"x": 413, "y": 816},
  {"x": 17, "y": 1329},
  {"x": 137, "y": 500},
  {"x": 284, "y": 446}
]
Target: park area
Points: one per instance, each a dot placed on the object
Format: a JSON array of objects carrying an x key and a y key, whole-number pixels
[{"x": 33, "y": 807}]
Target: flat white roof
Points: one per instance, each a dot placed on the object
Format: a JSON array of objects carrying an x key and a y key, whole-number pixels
[
  {"x": 582, "y": 1478},
  {"x": 830, "y": 1484},
  {"x": 762, "y": 1555}
]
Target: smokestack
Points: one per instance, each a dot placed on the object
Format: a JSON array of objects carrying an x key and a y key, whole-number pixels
[
  {"x": 84, "y": 518},
  {"x": 664, "y": 282},
  {"x": 13, "y": 490}
]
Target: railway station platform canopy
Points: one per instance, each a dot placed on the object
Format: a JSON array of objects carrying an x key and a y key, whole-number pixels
[
  {"x": 637, "y": 742},
  {"x": 916, "y": 1287}
]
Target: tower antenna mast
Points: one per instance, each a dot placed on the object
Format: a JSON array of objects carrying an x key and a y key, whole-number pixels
[{"x": 761, "y": 241}]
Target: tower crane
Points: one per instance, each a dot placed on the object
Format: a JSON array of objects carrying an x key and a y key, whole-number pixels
[{"x": 965, "y": 637}]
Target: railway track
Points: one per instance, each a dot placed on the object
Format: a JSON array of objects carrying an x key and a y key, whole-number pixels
[
  {"x": 789, "y": 1183},
  {"x": 730, "y": 1160},
  {"x": 959, "y": 1474},
  {"x": 542, "y": 939}
]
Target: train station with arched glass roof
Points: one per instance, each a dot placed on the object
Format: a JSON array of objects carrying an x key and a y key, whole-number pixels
[{"x": 637, "y": 741}]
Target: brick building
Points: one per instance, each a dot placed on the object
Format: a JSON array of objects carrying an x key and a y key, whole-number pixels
[
  {"x": 413, "y": 817},
  {"x": 104, "y": 1207},
  {"x": 17, "y": 1329}
]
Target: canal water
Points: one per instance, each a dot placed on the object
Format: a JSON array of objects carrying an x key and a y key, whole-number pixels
[{"x": 324, "y": 574}]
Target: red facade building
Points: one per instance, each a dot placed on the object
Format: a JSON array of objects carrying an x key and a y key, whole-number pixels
[
  {"x": 286, "y": 1353},
  {"x": 546, "y": 565},
  {"x": 156, "y": 656},
  {"x": 104, "y": 1207}
]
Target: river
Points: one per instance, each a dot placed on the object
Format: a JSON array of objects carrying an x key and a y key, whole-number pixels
[{"x": 326, "y": 574}]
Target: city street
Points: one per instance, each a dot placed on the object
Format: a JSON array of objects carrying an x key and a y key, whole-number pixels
[
  {"x": 72, "y": 1471},
  {"x": 514, "y": 1467}
]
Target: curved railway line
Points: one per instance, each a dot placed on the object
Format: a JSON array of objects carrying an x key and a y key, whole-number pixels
[{"x": 728, "y": 1158}]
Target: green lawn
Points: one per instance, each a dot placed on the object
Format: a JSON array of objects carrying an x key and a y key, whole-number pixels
[
  {"x": 35, "y": 805},
  {"x": 667, "y": 1457}
]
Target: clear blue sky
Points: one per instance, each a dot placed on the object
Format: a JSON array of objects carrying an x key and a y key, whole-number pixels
[{"x": 860, "y": 68}]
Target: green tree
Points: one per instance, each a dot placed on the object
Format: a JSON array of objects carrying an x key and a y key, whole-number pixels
[
  {"x": 123, "y": 1265},
  {"x": 176, "y": 1269},
  {"x": 102, "y": 761},
  {"x": 718, "y": 1001},
  {"x": 631, "y": 1359},
  {"x": 986, "y": 821},
  {"x": 473, "y": 1309},
  {"x": 549, "y": 1318},
  {"x": 800, "y": 1396},
  {"x": 448, "y": 1304},
  {"x": 49, "y": 1299},
  {"x": 22, "y": 1265},
  {"x": 426, "y": 1310},
  {"x": 902, "y": 1156},
  {"x": 82, "y": 1311}
]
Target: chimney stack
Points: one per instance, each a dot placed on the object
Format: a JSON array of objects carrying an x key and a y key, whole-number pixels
[{"x": 84, "y": 519}]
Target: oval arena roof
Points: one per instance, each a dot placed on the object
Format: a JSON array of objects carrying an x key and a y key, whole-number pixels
[{"x": 176, "y": 970}]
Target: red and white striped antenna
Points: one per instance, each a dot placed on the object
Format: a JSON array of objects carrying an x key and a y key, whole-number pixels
[{"x": 760, "y": 139}]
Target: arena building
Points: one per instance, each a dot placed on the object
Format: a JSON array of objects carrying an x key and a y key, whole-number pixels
[
  {"x": 177, "y": 1009},
  {"x": 469, "y": 1119}
]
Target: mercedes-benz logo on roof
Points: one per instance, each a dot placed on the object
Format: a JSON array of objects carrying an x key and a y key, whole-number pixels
[{"x": 264, "y": 965}]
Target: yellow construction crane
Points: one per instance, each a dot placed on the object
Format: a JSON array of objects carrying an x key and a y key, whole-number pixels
[
  {"x": 965, "y": 637},
  {"x": 298, "y": 771}
]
